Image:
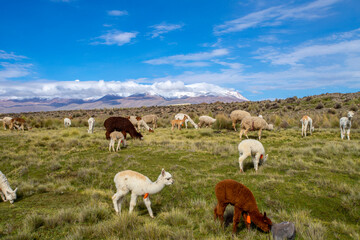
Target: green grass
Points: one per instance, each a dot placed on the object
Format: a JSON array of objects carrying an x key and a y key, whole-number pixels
[{"x": 65, "y": 181}]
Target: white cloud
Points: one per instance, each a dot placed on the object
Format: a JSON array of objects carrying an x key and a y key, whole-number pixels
[
  {"x": 317, "y": 50},
  {"x": 117, "y": 13},
  {"x": 97, "y": 89},
  {"x": 162, "y": 28},
  {"x": 13, "y": 70},
  {"x": 274, "y": 16},
  {"x": 116, "y": 38},
  {"x": 10, "y": 56},
  {"x": 193, "y": 59}
]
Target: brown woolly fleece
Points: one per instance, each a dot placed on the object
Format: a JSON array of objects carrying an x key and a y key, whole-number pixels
[
  {"x": 231, "y": 192},
  {"x": 122, "y": 125}
]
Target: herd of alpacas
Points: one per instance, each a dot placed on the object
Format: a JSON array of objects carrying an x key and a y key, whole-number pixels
[{"x": 227, "y": 191}]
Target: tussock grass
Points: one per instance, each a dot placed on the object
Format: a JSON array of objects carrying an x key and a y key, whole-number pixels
[{"x": 65, "y": 181}]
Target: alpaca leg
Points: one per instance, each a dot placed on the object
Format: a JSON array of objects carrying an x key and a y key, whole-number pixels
[
  {"x": 241, "y": 133},
  {"x": 2, "y": 196},
  {"x": 236, "y": 219},
  {"x": 306, "y": 126},
  {"x": 302, "y": 129},
  {"x": 256, "y": 161},
  {"x": 348, "y": 134},
  {"x": 118, "y": 146},
  {"x": 342, "y": 132},
  {"x": 124, "y": 142},
  {"x": 245, "y": 220},
  {"x": 110, "y": 144},
  {"x": 245, "y": 132},
  {"x": 117, "y": 200},
  {"x": 186, "y": 121},
  {"x": 234, "y": 125},
  {"x": 219, "y": 212},
  {"x": 132, "y": 202},
  {"x": 148, "y": 206},
  {"x": 242, "y": 157},
  {"x": 259, "y": 133}
]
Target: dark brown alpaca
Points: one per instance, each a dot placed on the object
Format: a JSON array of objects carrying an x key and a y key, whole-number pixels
[
  {"x": 231, "y": 192},
  {"x": 122, "y": 125}
]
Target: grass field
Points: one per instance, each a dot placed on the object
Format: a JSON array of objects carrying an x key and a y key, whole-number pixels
[{"x": 65, "y": 181}]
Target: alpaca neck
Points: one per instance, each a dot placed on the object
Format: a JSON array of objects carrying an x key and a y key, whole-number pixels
[
  {"x": 155, "y": 187},
  {"x": 256, "y": 216}
]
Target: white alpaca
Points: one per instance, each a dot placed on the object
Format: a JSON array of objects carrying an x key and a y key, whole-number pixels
[
  {"x": 91, "y": 122},
  {"x": 305, "y": 122},
  {"x": 206, "y": 120},
  {"x": 253, "y": 148},
  {"x": 116, "y": 136},
  {"x": 67, "y": 122},
  {"x": 6, "y": 122},
  {"x": 180, "y": 116},
  {"x": 6, "y": 193},
  {"x": 345, "y": 125},
  {"x": 138, "y": 184}
]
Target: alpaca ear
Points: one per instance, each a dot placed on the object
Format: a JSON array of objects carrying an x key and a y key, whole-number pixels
[
  {"x": 163, "y": 172},
  {"x": 15, "y": 190},
  {"x": 264, "y": 214}
]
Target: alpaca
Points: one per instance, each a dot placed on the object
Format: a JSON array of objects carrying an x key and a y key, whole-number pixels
[
  {"x": 6, "y": 193},
  {"x": 91, "y": 122},
  {"x": 152, "y": 118},
  {"x": 138, "y": 122},
  {"x": 305, "y": 121},
  {"x": 252, "y": 124},
  {"x": 122, "y": 125},
  {"x": 231, "y": 192},
  {"x": 181, "y": 116},
  {"x": 238, "y": 116},
  {"x": 345, "y": 125},
  {"x": 67, "y": 122},
  {"x": 138, "y": 184},
  {"x": 116, "y": 136},
  {"x": 206, "y": 120},
  {"x": 253, "y": 148},
  {"x": 19, "y": 123},
  {"x": 6, "y": 122},
  {"x": 178, "y": 122}
]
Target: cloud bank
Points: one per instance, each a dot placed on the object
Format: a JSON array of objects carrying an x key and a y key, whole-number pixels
[{"x": 96, "y": 89}]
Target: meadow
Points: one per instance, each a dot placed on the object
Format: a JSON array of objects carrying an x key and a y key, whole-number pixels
[{"x": 65, "y": 181}]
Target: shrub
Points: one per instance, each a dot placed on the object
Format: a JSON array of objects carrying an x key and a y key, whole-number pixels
[
  {"x": 222, "y": 121},
  {"x": 337, "y": 105},
  {"x": 319, "y": 106},
  {"x": 331, "y": 111},
  {"x": 353, "y": 108}
]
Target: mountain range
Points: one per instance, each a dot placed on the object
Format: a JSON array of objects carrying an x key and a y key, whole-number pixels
[{"x": 113, "y": 101}]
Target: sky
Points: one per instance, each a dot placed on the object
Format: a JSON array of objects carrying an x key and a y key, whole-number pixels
[{"x": 263, "y": 49}]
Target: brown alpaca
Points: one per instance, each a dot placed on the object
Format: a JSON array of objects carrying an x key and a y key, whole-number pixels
[
  {"x": 178, "y": 122},
  {"x": 231, "y": 192},
  {"x": 122, "y": 125},
  {"x": 19, "y": 123}
]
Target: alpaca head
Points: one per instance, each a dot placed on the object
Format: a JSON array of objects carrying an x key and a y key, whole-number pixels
[
  {"x": 11, "y": 195},
  {"x": 263, "y": 158},
  {"x": 150, "y": 130},
  {"x": 312, "y": 128},
  {"x": 165, "y": 177},
  {"x": 350, "y": 114},
  {"x": 138, "y": 118},
  {"x": 265, "y": 223}
]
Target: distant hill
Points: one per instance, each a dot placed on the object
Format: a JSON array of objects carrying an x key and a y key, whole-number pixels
[{"x": 112, "y": 101}]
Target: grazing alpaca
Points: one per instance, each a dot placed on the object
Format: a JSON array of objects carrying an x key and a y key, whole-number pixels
[
  {"x": 122, "y": 125},
  {"x": 345, "y": 125},
  {"x": 138, "y": 184},
  {"x": 252, "y": 124},
  {"x": 19, "y": 123},
  {"x": 238, "y": 116},
  {"x": 178, "y": 122},
  {"x": 6, "y": 122},
  {"x": 67, "y": 122},
  {"x": 152, "y": 118},
  {"x": 91, "y": 122},
  {"x": 234, "y": 193},
  {"x": 138, "y": 122},
  {"x": 6, "y": 193},
  {"x": 116, "y": 136},
  {"x": 305, "y": 121},
  {"x": 253, "y": 148},
  {"x": 180, "y": 116},
  {"x": 206, "y": 120}
]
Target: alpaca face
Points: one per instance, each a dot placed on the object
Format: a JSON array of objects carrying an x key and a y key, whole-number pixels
[
  {"x": 350, "y": 114},
  {"x": 11, "y": 196},
  {"x": 166, "y": 177},
  {"x": 266, "y": 224}
]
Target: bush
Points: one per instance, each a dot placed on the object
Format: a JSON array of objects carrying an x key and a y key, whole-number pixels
[
  {"x": 353, "y": 108},
  {"x": 337, "y": 105},
  {"x": 331, "y": 111},
  {"x": 319, "y": 106},
  {"x": 222, "y": 121}
]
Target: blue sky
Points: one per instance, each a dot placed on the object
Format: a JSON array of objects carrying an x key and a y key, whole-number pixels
[{"x": 263, "y": 49}]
